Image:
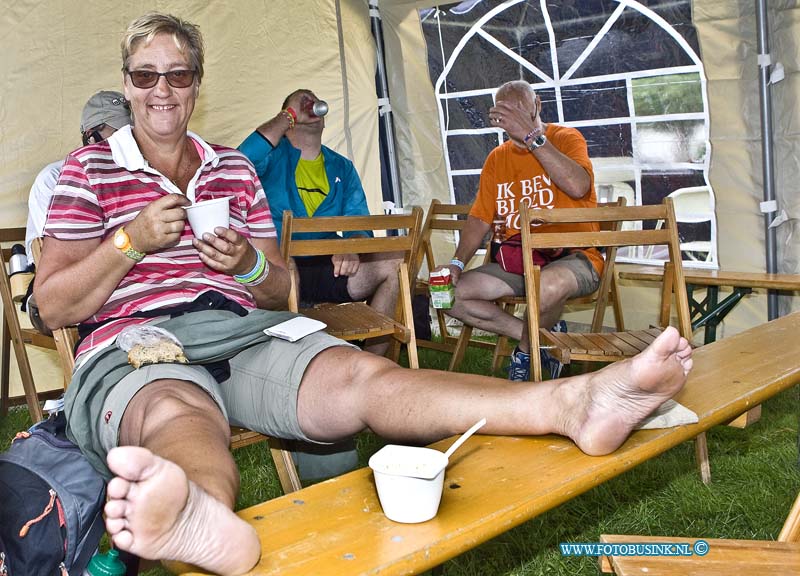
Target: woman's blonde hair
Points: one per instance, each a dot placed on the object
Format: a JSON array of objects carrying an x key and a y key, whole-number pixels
[{"x": 186, "y": 35}]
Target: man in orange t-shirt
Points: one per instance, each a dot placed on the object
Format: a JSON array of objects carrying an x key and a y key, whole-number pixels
[{"x": 545, "y": 166}]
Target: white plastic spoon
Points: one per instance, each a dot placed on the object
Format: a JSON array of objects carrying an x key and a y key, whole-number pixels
[{"x": 463, "y": 438}]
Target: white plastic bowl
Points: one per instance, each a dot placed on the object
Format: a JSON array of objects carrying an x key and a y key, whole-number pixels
[{"x": 409, "y": 481}]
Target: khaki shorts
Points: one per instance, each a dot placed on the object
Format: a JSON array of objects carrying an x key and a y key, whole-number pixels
[
  {"x": 261, "y": 393},
  {"x": 576, "y": 262}
]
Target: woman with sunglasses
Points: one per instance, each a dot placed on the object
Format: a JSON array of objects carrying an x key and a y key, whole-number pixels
[
  {"x": 118, "y": 253},
  {"x": 118, "y": 248}
]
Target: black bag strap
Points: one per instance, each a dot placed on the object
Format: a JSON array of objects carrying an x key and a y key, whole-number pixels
[{"x": 94, "y": 534}]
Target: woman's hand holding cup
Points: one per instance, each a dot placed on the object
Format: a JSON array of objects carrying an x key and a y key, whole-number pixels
[{"x": 159, "y": 225}]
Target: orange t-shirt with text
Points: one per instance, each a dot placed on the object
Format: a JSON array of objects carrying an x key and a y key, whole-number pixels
[{"x": 512, "y": 175}]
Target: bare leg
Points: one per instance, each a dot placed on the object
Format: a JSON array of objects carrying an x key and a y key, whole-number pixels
[
  {"x": 344, "y": 391},
  {"x": 476, "y": 292},
  {"x": 154, "y": 511},
  {"x": 377, "y": 281},
  {"x": 474, "y": 305},
  {"x": 173, "y": 498},
  {"x": 558, "y": 284},
  {"x": 179, "y": 421}
]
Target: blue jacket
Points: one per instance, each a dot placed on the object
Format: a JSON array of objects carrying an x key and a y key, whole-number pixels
[{"x": 276, "y": 169}]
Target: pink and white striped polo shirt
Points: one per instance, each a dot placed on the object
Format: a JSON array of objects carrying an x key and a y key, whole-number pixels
[{"x": 105, "y": 185}]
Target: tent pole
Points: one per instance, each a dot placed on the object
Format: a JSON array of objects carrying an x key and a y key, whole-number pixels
[
  {"x": 767, "y": 153},
  {"x": 383, "y": 104}
]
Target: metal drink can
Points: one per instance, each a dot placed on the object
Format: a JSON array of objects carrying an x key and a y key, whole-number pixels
[{"x": 320, "y": 108}]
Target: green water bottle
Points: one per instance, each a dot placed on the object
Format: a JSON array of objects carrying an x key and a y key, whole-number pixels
[{"x": 105, "y": 565}]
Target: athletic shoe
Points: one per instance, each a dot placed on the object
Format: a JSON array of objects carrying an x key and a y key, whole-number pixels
[
  {"x": 519, "y": 369},
  {"x": 553, "y": 366}
]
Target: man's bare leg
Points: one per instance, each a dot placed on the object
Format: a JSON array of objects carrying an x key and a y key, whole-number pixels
[
  {"x": 476, "y": 292},
  {"x": 345, "y": 391},
  {"x": 558, "y": 284},
  {"x": 377, "y": 281},
  {"x": 173, "y": 498},
  {"x": 474, "y": 305}
]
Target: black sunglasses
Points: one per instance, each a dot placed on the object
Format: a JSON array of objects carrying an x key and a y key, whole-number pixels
[
  {"x": 93, "y": 136},
  {"x": 149, "y": 78}
]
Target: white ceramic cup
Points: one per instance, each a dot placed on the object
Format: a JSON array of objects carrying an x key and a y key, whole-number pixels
[
  {"x": 205, "y": 216},
  {"x": 409, "y": 481}
]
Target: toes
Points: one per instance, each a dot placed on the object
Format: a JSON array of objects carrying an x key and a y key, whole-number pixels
[
  {"x": 115, "y": 508},
  {"x": 131, "y": 462},
  {"x": 115, "y": 526},
  {"x": 118, "y": 488},
  {"x": 123, "y": 540}
]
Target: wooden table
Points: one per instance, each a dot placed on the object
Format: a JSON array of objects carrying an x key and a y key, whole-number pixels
[
  {"x": 495, "y": 483},
  {"x": 709, "y": 312}
]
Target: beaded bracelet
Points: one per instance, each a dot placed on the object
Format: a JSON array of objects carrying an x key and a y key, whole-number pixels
[
  {"x": 457, "y": 263},
  {"x": 535, "y": 133},
  {"x": 288, "y": 116},
  {"x": 291, "y": 116},
  {"x": 256, "y": 272}
]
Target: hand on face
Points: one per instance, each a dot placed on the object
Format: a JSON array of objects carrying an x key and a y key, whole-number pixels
[
  {"x": 228, "y": 252},
  {"x": 160, "y": 225},
  {"x": 345, "y": 264},
  {"x": 517, "y": 118}
]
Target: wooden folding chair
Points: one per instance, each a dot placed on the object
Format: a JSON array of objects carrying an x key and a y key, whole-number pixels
[
  {"x": 14, "y": 335},
  {"x": 65, "y": 340},
  {"x": 713, "y": 556},
  {"x": 606, "y": 346},
  {"x": 357, "y": 320},
  {"x": 440, "y": 219},
  {"x": 600, "y": 346},
  {"x": 445, "y": 217}
]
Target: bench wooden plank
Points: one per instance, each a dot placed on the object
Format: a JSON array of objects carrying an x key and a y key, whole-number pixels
[
  {"x": 724, "y": 557},
  {"x": 494, "y": 483}
]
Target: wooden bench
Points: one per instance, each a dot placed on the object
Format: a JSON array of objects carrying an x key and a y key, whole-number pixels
[
  {"x": 724, "y": 557},
  {"x": 494, "y": 483},
  {"x": 713, "y": 556},
  {"x": 709, "y": 312}
]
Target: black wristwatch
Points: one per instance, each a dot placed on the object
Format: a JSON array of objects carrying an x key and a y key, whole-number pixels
[{"x": 537, "y": 142}]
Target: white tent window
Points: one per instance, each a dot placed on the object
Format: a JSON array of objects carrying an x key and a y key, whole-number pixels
[{"x": 627, "y": 75}]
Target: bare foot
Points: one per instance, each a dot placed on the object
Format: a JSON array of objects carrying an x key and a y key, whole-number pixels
[
  {"x": 623, "y": 394},
  {"x": 153, "y": 511}
]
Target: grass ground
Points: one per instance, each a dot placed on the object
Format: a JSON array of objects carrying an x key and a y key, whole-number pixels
[{"x": 755, "y": 479}]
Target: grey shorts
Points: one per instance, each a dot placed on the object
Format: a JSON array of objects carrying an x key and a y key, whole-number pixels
[
  {"x": 261, "y": 393},
  {"x": 576, "y": 262}
]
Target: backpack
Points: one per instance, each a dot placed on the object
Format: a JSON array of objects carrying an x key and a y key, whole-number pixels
[{"x": 51, "y": 504}]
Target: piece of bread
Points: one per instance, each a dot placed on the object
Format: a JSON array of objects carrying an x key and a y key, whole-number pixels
[{"x": 164, "y": 351}]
